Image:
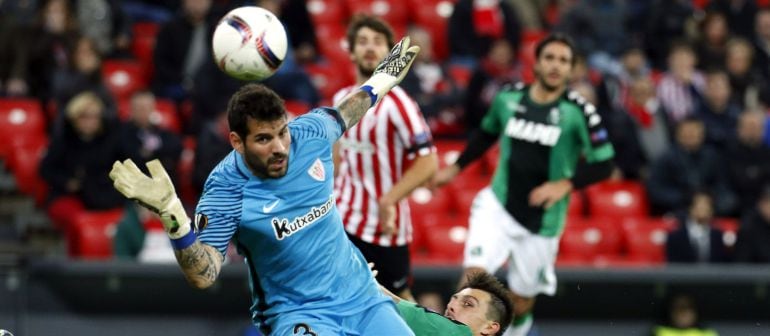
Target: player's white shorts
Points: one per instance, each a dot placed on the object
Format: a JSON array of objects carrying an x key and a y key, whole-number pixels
[{"x": 495, "y": 237}]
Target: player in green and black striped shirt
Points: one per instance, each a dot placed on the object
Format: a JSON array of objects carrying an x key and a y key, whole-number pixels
[{"x": 543, "y": 130}]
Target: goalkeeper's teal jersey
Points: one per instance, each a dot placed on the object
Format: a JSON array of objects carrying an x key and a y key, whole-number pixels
[
  {"x": 427, "y": 323},
  {"x": 288, "y": 228}
]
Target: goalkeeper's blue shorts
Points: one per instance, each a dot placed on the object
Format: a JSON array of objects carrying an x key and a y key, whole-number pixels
[{"x": 381, "y": 319}]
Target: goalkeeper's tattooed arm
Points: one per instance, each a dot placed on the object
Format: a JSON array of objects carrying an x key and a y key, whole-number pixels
[
  {"x": 200, "y": 264},
  {"x": 353, "y": 107}
]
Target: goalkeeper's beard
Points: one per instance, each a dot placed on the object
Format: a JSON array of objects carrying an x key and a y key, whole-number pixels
[{"x": 262, "y": 169}]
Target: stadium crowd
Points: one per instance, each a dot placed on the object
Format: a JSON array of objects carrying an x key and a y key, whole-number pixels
[{"x": 683, "y": 88}]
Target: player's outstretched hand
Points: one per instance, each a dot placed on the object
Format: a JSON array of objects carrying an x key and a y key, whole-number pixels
[
  {"x": 155, "y": 192},
  {"x": 391, "y": 70}
]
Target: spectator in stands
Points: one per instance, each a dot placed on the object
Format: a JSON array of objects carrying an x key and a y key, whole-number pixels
[
  {"x": 42, "y": 49},
  {"x": 83, "y": 74},
  {"x": 717, "y": 111},
  {"x": 739, "y": 14},
  {"x": 78, "y": 160},
  {"x": 680, "y": 318},
  {"x": 145, "y": 140},
  {"x": 495, "y": 70},
  {"x": 429, "y": 82},
  {"x": 183, "y": 45},
  {"x": 696, "y": 240},
  {"x": 649, "y": 117},
  {"x": 476, "y": 25},
  {"x": 665, "y": 23},
  {"x": 762, "y": 43},
  {"x": 105, "y": 22},
  {"x": 747, "y": 84},
  {"x": 213, "y": 144},
  {"x": 748, "y": 159},
  {"x": 711, "y": 44},
  {"x": 613, "y": 90},
  {"x": 598, "y": 27},
  {"x": 680, "y": 87},
  {"x": 754, "y": 233},
  {"x": 687, "y": 167},
  {"x": 299, "y": 28}
]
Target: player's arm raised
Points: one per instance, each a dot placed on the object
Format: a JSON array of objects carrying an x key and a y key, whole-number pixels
[
  {"x": 200, "y": 263},
  {"x": 388, "y": 74}
]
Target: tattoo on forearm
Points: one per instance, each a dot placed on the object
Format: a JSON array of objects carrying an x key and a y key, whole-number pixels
[
  {"x": 200, "y": 263},
  {"x": 353, "y": 108}
]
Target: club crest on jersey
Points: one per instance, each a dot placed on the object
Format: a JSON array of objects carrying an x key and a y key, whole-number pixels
[
  {"x": 317, "y": 171},
  {"x": 283, "y": 228}
]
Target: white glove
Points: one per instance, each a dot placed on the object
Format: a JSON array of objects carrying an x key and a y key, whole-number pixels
[
  {"x": 391, "y": 70},
  {"x": 155, "y": 192}
]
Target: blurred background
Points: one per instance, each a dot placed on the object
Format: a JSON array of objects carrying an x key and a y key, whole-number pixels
[{"x": 683, "y": 88}]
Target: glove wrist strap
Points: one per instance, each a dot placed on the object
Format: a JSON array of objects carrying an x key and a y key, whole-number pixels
[{"x": 184, "y": 241}]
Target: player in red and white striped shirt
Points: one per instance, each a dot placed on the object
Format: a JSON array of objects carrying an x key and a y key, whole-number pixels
[{"x": 379, "y": 162}]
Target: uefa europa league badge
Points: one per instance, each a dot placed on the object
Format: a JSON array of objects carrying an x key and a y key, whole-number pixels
[{"x": 4, "y": 332}]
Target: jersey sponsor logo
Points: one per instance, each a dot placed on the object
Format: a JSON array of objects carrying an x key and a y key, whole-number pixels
[
  {"x": 317, "y": 171},
  {"x": 283, "y": 228},
  {"x": 269, "y": 207},
  {"x": 530, "y": 131}
]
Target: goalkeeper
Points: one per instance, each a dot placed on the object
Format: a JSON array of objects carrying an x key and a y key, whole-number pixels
[{"x": 273, "y": 197}]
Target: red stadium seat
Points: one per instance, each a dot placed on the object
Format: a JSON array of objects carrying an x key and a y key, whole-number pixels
[
  {"x": 296, "y": 107},
  {"x": 21, "y": 121},
  {"x": 394, "y": 12},
  {"x": 124, "y": 77},
  {"x": 645, "y": 239},
  {"x": 446, "y": 239},
  {"x": 617, "y": 199},
  {"x": 23, "y": 162},
  {"x": 589, "y": 239},
  {"x": 449, "y": 151},
  {"x": 577, "y": 204},
  {"x": 729, "y": 227},
  {"x": 432, "y": 15},
  {"x": 333, "y": 44},
  {"x": 143, "y": 44},
  {"x": 324, "y": 12},
  {"x": 165, "y": 115},
  {"x": 329, "y": 79},
  {"x": 92, "y": 234},
  {"x": 423, "y": 202}
]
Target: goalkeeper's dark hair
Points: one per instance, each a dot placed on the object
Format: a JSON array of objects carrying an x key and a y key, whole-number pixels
[
  {"x": 254, "y": 101},
  {"x": 557, "y": 38},
  {"x": 500, "y": 303},
  {"x": 365, "y": 21}
]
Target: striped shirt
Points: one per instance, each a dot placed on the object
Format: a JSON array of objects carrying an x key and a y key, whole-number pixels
[
  {"x": 374, "y": 155},
  {"x": 288, "y": 229},
  {"x": 680, "y": 100}
]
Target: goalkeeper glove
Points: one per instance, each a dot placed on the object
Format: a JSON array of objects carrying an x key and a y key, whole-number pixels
[
  {"x": 391, "y": 70},
  {"x": 154, "y": 192}
]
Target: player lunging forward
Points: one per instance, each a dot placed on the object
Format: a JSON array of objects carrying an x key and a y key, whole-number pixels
[{"x": 273, "y": 196}]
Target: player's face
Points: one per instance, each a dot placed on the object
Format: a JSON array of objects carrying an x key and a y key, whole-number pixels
[
  {"x": 369, "y": 48},
  {"x": 554, "y": 66},
  {"x": 266, "y": 148},
  {"x": 469, "y": 306}
]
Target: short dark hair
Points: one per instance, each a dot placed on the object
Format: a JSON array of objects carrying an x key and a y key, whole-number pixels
[
  {"x": 253, "y": 101},
  {"x": 360, "y": 21},
  {"x": 501, "y": 303},
  {"x": 556, "y": 38}
]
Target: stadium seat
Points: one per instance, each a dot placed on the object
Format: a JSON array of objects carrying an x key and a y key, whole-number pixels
[
  {"x": 529, "y": 40},
  {"x": 589, "y": 239},
  {"x": 432, "y": 15},
  {"x": 143, "y": 44},
  {"x": 423, "y": 202},
  {"x": 446, "y": 239},
  {"x": 333, "y": 44},
  {"x": 645, "y": 239},
  {"x": 577, "y": 204},
  {"x": 165, "y": 115},
  {"x": 617, "y": 199},
  {"x": 729, "y": 227},
  {"x": 92, "y": 234},
  {"x": 23, "y": 162},
  {"x": 449, "y": 150},
  {"x": 123, "y": 77},
  {"x": 296, "y": 107},
  {"x": 329, "y": 78},
  {"x": 323, "y": 12},
  {"x": 21, "y": 121},
  {"x": 394, "y": 12}
]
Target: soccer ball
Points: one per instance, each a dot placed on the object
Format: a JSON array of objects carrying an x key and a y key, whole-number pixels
[{"x": 249, "y": 43}]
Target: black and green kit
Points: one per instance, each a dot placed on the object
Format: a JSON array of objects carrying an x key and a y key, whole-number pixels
[{"x": 540, "y": 143}]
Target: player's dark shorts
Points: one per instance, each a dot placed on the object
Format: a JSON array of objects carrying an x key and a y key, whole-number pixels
[{"x": 392, "y": 264}]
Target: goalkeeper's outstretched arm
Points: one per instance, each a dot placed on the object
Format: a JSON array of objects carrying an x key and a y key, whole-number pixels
[{"x": 200, "y": 263}]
